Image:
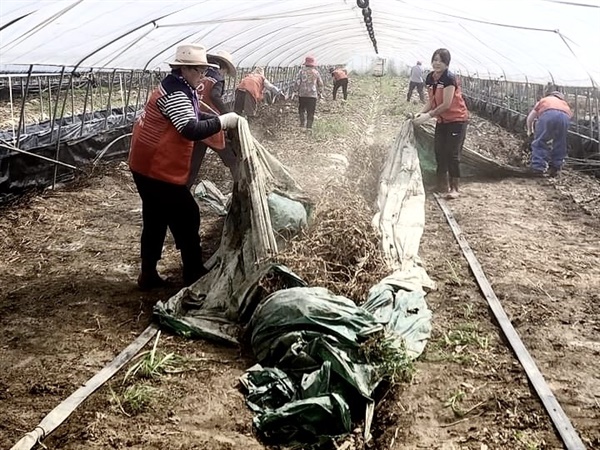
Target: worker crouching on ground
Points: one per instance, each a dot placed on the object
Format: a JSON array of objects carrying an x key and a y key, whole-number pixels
[
  {"x": 447, "y": 106},
  {"x": 309, "y": 86},
  {"x": 249, "y": 92},
  {"x": 160, "y": 161},
  {"x": 210, "y": 93},
  {"x": 340, "y": 80},
  {"x": 552, "y": 117}
]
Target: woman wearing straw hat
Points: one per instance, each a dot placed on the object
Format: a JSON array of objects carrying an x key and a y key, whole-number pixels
[
  {"x": 210, "y": 91},
  {"x": 309, "y": 86},
  {"x": 160, "y": 161}
]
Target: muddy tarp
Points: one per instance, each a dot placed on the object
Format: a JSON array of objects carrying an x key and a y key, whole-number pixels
[{"x": 314, "y": 377}]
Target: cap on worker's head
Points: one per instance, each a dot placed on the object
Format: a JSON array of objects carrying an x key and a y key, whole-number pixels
[
  {"x": 331, "y": 70},
  {"x": 418, "y": 63},
  {"x": 224, "y": 60},
  {"x": 310, "y": 61},
  {"x": 191, "y": 55},
  {"x": 557, "y": 94}
]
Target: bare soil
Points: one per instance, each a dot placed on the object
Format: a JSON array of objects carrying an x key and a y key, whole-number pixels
[{"x": 69, "y": 303}]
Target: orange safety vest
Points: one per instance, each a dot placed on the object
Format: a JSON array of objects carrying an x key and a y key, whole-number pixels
[
  {"x": 254, "y": 85},
  {"x": 216, "y": 141},
  {"x": 158, "y": 150},
  {"x": 552, "y": 102},
  {"x": 458, "y": 111}
]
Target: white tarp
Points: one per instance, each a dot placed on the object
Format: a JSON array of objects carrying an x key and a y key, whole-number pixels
[{"x": 534, "y": 40}]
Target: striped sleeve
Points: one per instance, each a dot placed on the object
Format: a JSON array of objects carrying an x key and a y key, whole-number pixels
[{"x": 177, "y": 107}]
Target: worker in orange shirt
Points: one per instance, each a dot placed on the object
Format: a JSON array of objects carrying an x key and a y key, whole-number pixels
[
  {"x": 249, "y": 92},
  {"x": 340, "y": 77},
  {"x": 552, "y": 116}
]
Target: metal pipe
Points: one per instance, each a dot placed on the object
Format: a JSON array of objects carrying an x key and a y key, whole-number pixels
[
  {"x": 54, "y": 110},
  {"x": 24, "y": 95},
  {"x": 25, "y": 152},
  {"x": 108, "y": 103},
  {"x": 62, "y": 115},
  {"x": 127, "y": 97},
  {"x": 85, "y": 101},
  {"x": 41, "y": 99}
]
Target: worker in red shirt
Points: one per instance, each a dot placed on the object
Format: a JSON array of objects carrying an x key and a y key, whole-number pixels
[
  {"x": 340, "y": 80},
  {"x": 552, "y": 116},
  {"x": 447, "y": 106}
]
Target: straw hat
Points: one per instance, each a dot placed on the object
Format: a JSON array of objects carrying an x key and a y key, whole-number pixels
[
  {"x": 224, "y": 60},
  {"x": 310, "y": 61},
  {"x": 191, "y": 55}
]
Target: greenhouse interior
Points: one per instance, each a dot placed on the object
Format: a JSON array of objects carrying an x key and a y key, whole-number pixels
[{"x": 273, "y": 224}]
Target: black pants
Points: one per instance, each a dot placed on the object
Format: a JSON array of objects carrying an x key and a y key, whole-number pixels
[
  {"x": 449, "y": 140},
  {"x": 244, "y": 102},
  {"x": 167, "y": 205},
  {"x": 411, "y": 87},
  {"x": 227, "y": 155},
  {"x": 306, "y": 109},
  {"x": 343, "y": 83}
]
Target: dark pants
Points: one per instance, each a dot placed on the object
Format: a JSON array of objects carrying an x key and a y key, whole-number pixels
[
  {"x": 343, "y": 83},
  {"x": 244, "y": 102},
  {"x": 227, "y": 155},
  {"x": 167, "y": 205},
  {"x": 306, "y": 109},
  {"x": 411, "y": 87},
  {"x": 449, "y": 140}
]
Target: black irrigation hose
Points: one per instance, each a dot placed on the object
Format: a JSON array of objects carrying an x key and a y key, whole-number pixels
[{"x": 368, "y": 19}]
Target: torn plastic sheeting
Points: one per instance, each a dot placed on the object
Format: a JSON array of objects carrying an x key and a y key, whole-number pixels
[
  {"x": 315, "y": 419},
  {"x": 268, "y": 388}
]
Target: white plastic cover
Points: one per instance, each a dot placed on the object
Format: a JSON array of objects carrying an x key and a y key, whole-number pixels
[{"x": 535, "y": 40}]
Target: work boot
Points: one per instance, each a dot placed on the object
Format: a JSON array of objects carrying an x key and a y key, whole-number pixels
[
  {"x": 453, "y": 189},
  {"x": 149, "y": 278},
  {"x": 537, "y": 173},
  {"x": 442, "y": 184},
  {"x": 193, "y": 266},
  {"x": 553, "y": 172}
]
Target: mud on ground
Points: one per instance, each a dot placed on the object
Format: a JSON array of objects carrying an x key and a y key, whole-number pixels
[{"x": 69, "y": 303}]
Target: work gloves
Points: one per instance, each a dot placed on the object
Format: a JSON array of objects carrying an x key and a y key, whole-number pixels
[
  {"x": 421, "y": 118},
  {"x": 229, "y": 120}
]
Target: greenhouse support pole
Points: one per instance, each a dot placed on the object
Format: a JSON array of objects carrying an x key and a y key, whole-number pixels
[
  {"x": 72, "y": 100},
  {"x": 62, "y": 116},
  {"x": 91, "y": 87},
  {"x": 85, "y": 101},
  {"x": 139, "y": 91},
  {"x": 576, "y": 111},
  {"x": 12, "y": 110},
  {"x": 108, "y": 103},
  {"x": 55, "y": 108},
  {"x": 127, "y": 97},
  {"x": 39, "y": 81},
  {"x": 24, "y": 94}
]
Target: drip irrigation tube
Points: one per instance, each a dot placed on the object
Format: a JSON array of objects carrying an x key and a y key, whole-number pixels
[{"x": 561, "y": 421}]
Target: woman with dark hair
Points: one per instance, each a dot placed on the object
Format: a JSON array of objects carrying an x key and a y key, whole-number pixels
[{"x": 447, "y": 106}]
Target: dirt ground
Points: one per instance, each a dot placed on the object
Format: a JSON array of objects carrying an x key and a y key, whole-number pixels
[{"x": 69, "y": 303}]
